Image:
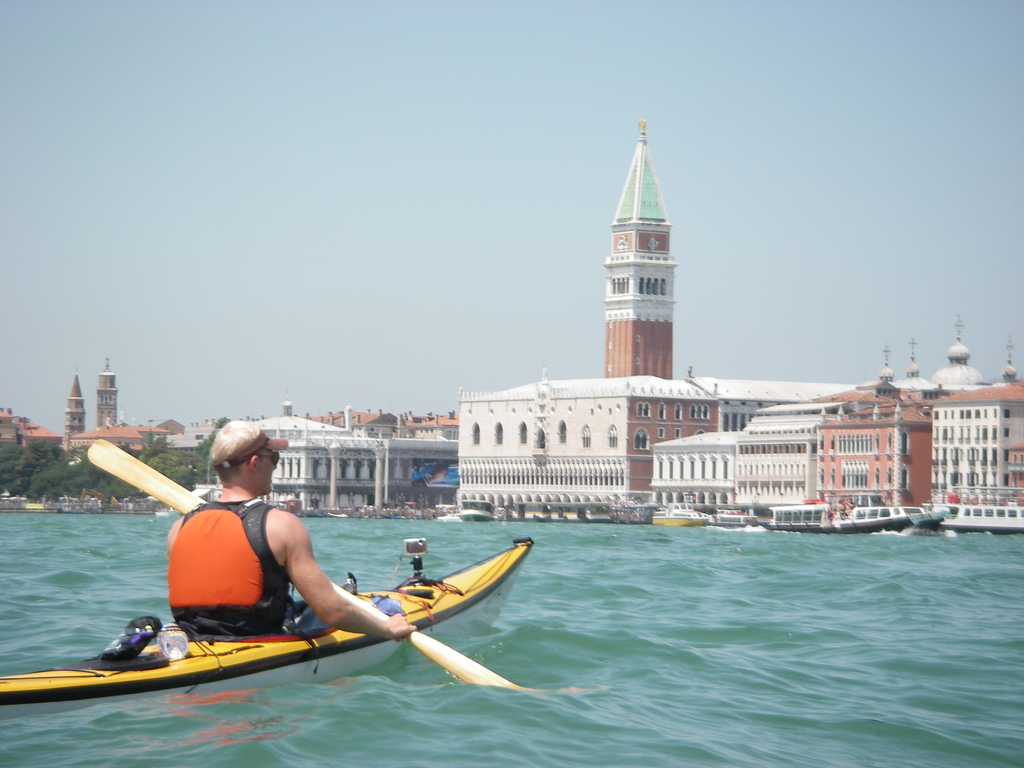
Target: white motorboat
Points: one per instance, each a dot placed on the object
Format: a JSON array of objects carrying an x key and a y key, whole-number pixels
[
  {"x": 679, "y": 515},
  {"x": 821, "y": 518},
  {"x": 474, "y": 511},
  {"x": 975, "y": 517}
]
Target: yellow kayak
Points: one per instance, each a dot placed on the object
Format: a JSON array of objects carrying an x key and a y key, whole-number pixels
[{"x": 467, "y": 599}]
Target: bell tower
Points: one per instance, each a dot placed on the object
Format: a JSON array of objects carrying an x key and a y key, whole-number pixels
[
  {"x": 106, "y": 399},
  {"x": 74, "y": 414},
  {"x": 639, "y": 277}
]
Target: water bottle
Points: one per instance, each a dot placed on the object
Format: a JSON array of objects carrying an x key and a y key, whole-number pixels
[{"x": 173, "y": 642}]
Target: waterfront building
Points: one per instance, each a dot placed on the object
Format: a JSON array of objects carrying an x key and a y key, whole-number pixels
[
  {"x": 330, "y": 467},
  {"x": 573, "y": 441},
  {"x": 777, "y": 455},
  {"x": 431, "y": 426},
  {"x": 8, "y": 429},
  {"x": 877, "y": 447},
  {"x": 739, "y": 400},
  {"x": 639, "y": 277},
  {"x": 187, "y": 438},
  {"x": 698, "y": 469},
  {"x": 127, "y": 437},
  {"x": 1015, "y": 466},
  {"x": 28, "y": 431},
  {"x": 973, "y": 433}
]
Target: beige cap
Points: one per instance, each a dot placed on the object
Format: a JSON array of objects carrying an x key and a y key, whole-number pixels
[{"x": 238, "y": 441}]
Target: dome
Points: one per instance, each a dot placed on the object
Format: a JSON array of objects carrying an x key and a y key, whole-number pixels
[
  {"x": 885, "y": 372},
  {"x": 958, "y": 353},
  {"x": 958, "y": 373}
]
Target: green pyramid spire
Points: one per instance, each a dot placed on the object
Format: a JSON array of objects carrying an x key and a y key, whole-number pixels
[{"x": 641, "y": 197}]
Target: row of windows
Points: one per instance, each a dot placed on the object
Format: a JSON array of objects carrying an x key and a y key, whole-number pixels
[
  {"x": 641, "y": 440},
  {"x": 981, "y": 434},
  {"x": 855, "y": 477},
  {"x": 649, "y": 286},
  {"x": 773, "y": 448},
  {"x": 603, "y": 475},
  {"x": 973, "y": 479},
  {"x": 965, "y": 413},
  {"x": 865, "y": 443},
  {"x": 697, "y": 412},
  {"x": 708, "y": 469},
  {"x": 970, "y": 455}
]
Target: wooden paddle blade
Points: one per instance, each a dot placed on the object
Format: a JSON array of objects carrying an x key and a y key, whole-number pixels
[
  {"x": 462, "y": 667},
  {"x": 109, "y": 457},
  {"x": 447, "y": 658}
]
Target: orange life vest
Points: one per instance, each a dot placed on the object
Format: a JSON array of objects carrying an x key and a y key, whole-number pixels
[{"x": 222, "y": 577}]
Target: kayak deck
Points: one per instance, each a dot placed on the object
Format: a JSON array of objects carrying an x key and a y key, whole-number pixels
[{"x": 472, "y": 595}]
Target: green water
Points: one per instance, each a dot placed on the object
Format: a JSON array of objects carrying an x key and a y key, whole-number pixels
[{"x": 696, "y": 647}]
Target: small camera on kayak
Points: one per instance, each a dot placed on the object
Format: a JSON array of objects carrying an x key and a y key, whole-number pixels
[{"x": 415, "y": 546}]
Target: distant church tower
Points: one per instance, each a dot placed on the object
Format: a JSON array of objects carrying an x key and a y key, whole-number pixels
[
  {"x": 74, "y": 414},
  {"x": 639, "y": 277},
  {"x": 106, "y": 399}
]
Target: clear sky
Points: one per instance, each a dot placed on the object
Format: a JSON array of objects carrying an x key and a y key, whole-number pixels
[{"x": 377, "y": 204}]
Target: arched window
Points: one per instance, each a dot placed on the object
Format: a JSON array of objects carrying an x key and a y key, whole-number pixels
[
  {"x": 643, "y": 410},
  {"x": 522, "y": 433},
  {"x": 586, "y": 437},
  {"x": 640, "y": 440},
  {"x": 541, "y": 439},
  {"x": 561, "y": 432},
  {"x": 476, "y": 434},
  {"x": 679, "y": 411},
  {"x": 499, "y": 434},
  {"x": 613, "y": 437},
  {"x": 661, "y": 411}
]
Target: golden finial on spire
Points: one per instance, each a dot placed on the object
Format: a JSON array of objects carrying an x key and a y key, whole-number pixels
[{"x": 643, "y": 125}]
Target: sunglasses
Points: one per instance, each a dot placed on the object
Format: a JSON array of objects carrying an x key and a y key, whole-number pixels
[{"x": 274, "y": 456}]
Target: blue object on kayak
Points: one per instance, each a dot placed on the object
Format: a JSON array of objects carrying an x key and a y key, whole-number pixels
[{"x": 387, "y": 605}]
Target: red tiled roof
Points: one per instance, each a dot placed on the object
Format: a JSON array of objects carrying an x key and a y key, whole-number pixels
[
  {"x": 36, "y": 431},
  {"x": 1013, "y": 391},
  {"x": 121, "y": 432}
]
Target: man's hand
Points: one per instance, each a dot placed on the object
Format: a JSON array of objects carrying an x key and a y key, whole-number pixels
[{"x": 399, "y": 627}]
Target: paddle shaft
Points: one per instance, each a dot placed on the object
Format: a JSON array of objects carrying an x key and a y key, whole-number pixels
[{"x": 117, "y": 462}]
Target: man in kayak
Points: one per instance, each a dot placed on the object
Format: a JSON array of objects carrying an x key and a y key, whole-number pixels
[{"x": 230, "y": 563}]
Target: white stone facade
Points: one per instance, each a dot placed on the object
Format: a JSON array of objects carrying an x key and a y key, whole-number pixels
[
  {"x": 972, "y": 433},
  {"x": 777, "y": 455},
  {"x": 325, "y": 464},
  {"x": 577, "y": 441},
  {"x": 698, "y": 469}
]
